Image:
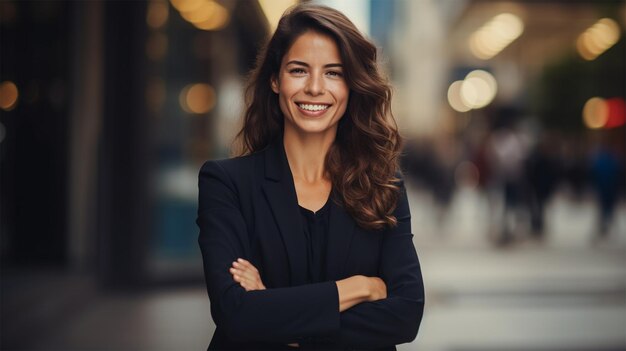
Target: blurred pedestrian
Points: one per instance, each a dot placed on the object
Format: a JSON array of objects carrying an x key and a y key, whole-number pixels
[
  {"x": 605, "y": 168},
  {"x": 508, "y": 151},
  {"x": 542, "y": 173}
]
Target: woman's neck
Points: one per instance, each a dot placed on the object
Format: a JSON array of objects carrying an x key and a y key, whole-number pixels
[{"x": 306, "y": 154}]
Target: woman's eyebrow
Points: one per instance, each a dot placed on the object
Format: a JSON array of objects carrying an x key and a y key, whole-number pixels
[{"x": 300, "y": 63}]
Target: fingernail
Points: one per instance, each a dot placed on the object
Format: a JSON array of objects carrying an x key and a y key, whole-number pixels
[{"x": 240, "y": 259}]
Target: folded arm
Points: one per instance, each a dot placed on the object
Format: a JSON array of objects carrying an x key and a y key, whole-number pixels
[{"x": 396, "y": 319}]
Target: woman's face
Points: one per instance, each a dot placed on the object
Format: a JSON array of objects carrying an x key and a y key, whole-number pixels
[{"x": 311, "y": 88}]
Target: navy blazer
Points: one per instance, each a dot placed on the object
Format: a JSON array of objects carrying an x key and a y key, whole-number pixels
[{"x": 248, "y": 208}]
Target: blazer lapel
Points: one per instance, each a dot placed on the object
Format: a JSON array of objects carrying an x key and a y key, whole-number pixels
[
  {"x": 280, "y": 192},
  {"x": 340, "y": 233}
]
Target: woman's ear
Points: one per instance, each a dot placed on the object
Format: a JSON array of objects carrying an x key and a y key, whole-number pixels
[{"x": 274, "y": 83}]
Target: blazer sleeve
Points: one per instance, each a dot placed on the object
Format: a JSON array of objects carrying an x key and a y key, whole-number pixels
[
  {"x": 292, "y": 314},
  {"x": 396, "y": 319}
]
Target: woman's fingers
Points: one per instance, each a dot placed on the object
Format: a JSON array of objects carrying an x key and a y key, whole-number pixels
[
  {"x": 246, "y": 275},
  {"x": 248, "y": 269},
  {"x": 246, "y": 264},
  {"x": 245, "y": 283}
]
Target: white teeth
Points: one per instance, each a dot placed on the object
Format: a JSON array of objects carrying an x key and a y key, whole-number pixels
[{"x": 310, "y": 107}]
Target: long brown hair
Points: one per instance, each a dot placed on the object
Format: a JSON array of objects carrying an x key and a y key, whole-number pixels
[{"x": 363, "y": 160}]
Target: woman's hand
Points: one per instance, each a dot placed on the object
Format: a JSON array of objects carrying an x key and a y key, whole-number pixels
[
  {"x": 358, "y": 288},
  {"x": 377, "y": 289},
  {"x": 246, "y": 275}
]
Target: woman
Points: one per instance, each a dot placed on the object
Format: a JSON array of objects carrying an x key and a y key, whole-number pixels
[{"x": 306, "y": 237}]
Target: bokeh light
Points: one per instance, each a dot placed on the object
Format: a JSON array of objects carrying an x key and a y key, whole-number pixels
[
  {"x": 617, "y": 113},
  {"x": 595, "y": 113},
  {"x": 8, "y": 95},
  {"x": 273, "y": 9},
  {"x": 157, "y": 14},
  {"x": 197, "y": 98},
  {"x": 217, "y": 20},
  {"x": 454, "y": 97},
  {"x": 203, "y": 14},
  {"x": 477, "y": 90},
  {"x": 186, "y": 5},
  {"x": 598, "y": 38},
  {"x": 495, "y": 35},
  {"x": 485, "y": 85}
]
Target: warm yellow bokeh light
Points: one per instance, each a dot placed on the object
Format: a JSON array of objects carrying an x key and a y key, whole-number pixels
[
  {"x": 158, "y": 13},
  {"x": 8, "y": 95},
  {"x": 608, "y": 31},
  {"x": 470, "y": 94},
  {"x": 495, "y": 35},
  {"x": 598, "y": 38},
  {"x": 477, "y": 90},
  {"x": 481, "y": 47},
  {"x": 201, "y": 13},
  {"x": 595, "y": 113},
  {"x": 206, "y": 15},
  {"x": 217, "y": 19},
  {"x": 508, "y": 26},
  {"x": 187, "y": 5},
  {"x": 197, "y": 98},
  {"x": 581, "y": 46},
  {"x": 274, "y": 9},
  {"x": 485, "y": 85},
  {"x": 454, "y": 97}
]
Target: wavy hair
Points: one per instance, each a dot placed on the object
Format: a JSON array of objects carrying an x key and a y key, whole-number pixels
[{"x": 363, "y": 161}]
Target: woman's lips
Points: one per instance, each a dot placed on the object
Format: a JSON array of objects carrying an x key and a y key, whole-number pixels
[{"x": 312, "y": 110}]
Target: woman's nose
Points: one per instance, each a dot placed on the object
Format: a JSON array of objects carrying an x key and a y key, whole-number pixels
[{"x": 315, "y": 85}]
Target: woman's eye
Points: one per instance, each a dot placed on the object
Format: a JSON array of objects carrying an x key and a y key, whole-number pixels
[
  {"x": 334, "y": 74},
  {"x": 296, "y": 71}
]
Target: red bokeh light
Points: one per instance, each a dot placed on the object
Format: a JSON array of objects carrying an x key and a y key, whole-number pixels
[{"x": 617, "y": 113}]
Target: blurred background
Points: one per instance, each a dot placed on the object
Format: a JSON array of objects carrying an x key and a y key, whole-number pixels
[{"x": 513, "y": 114}]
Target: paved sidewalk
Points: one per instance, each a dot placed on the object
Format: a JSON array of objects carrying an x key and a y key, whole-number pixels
[
  {"x": 564, "y": 293},
  {"x": 523, "y": 299}
]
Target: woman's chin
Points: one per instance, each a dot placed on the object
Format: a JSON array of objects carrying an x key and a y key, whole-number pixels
[{"x": 316, "y": 128}]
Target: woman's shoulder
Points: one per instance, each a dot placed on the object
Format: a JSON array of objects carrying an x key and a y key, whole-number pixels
[
  {"x": 231, "y": 162},
  {"x": 235, "y": 167}
]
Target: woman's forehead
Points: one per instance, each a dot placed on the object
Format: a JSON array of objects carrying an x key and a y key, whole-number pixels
[{"x": 313, "y": 48}]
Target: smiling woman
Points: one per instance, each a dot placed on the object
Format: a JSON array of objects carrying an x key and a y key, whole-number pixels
[
  {"x": 313, "y": 94},
  {"x": 306, "y": 237}
]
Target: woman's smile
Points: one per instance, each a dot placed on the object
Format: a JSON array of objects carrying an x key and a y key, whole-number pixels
[{"x": 313, "y": 109}]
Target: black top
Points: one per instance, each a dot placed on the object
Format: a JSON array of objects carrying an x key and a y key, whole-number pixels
[{"x": 315, "y": 226}]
